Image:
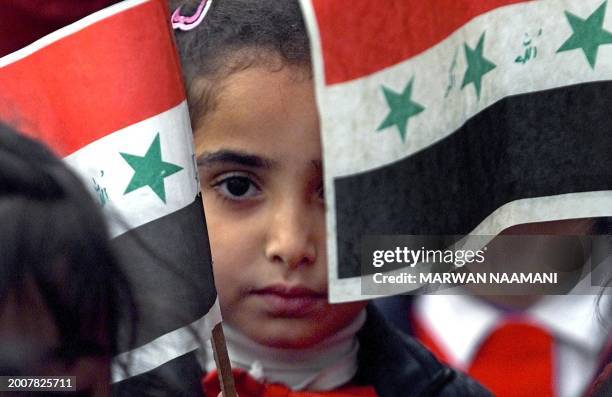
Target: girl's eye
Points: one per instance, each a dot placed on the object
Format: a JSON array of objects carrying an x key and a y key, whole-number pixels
[{"x": 236, "y": 187}]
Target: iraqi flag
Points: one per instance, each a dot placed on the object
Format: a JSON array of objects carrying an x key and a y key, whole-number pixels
[
  {"x": 457, "y": 117},
  {"x": 106, "y": 94}
]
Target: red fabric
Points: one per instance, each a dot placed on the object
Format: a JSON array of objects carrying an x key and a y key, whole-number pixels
[
  {"x": 359, "y": 37},
  {"x": 516, "y": 360},
  {"x": 246, "y": 386},
  {"x": 24, "y": 21}
]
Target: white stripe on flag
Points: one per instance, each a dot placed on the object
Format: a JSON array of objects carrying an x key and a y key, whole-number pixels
[
  {"x": 167, "y": 347},
  {"x": 106, "y": 174}
]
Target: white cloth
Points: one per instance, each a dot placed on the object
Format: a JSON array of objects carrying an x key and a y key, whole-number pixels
[
  {"x": 325, "y": 366},
  {"x": 459, "y": 324}
]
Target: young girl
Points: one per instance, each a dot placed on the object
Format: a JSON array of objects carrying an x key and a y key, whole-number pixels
[{"x": 251, "y": 96}]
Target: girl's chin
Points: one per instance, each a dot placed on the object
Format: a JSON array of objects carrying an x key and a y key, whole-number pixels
[
  {"x": 285, "y": 336},
  {"x": 291, "y": 332},
  {"x": 283, "y": 343}
]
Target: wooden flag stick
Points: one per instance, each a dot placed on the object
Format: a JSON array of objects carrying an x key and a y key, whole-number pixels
[{"x": 224, "y": 368}]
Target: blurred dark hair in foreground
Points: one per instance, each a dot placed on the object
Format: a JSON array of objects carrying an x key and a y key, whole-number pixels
[{"x": 62, "y": 293}]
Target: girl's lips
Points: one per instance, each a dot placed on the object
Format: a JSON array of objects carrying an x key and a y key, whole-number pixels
[{"x": 293, "y": 302}]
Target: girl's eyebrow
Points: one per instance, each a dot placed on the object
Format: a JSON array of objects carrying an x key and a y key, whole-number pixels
[{"x": 225, "y": 156}]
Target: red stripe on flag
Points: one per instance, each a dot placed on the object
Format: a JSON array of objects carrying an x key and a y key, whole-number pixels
[
  {"x": 359, "y": 37},
  {"x": 113, "y": 73}
]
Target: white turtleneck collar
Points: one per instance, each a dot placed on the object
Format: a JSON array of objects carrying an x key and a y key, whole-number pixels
[{"x": 324, "y": 366}]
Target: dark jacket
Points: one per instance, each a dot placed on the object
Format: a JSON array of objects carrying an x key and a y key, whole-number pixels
[{"x": 397, "y": 365}]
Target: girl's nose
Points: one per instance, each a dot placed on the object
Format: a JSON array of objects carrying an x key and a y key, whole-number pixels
[{"x": 291, "y": 236}]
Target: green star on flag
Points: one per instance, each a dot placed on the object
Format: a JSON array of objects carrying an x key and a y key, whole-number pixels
[
  {"x": 401, "y": 109},
  {"x": 587, "y": 34},
  {"x": 478, "y": 65},
  {"x": 150, "y": 170}
]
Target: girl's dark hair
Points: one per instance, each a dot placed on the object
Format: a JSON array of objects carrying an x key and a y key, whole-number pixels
[
  {"x": 53, "y": 236},
  {"x": 234, "y": 35}
]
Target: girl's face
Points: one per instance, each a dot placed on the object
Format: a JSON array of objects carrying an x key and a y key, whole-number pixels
[{"x": 259, "y": 155}]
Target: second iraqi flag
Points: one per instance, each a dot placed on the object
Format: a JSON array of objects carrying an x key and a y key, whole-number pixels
[{"x": 459, "y": 117}]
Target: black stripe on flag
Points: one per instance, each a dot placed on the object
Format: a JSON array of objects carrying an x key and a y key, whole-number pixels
[
  {"x": 530, "y": 145},
  {"x": 178, "y": 377},
  {"x": 171, "y": 274}
]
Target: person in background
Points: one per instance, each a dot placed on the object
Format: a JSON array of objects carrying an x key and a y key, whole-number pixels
[
  {"x": 251, "y": 96},
  {"x": 520, "y": 345}
]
